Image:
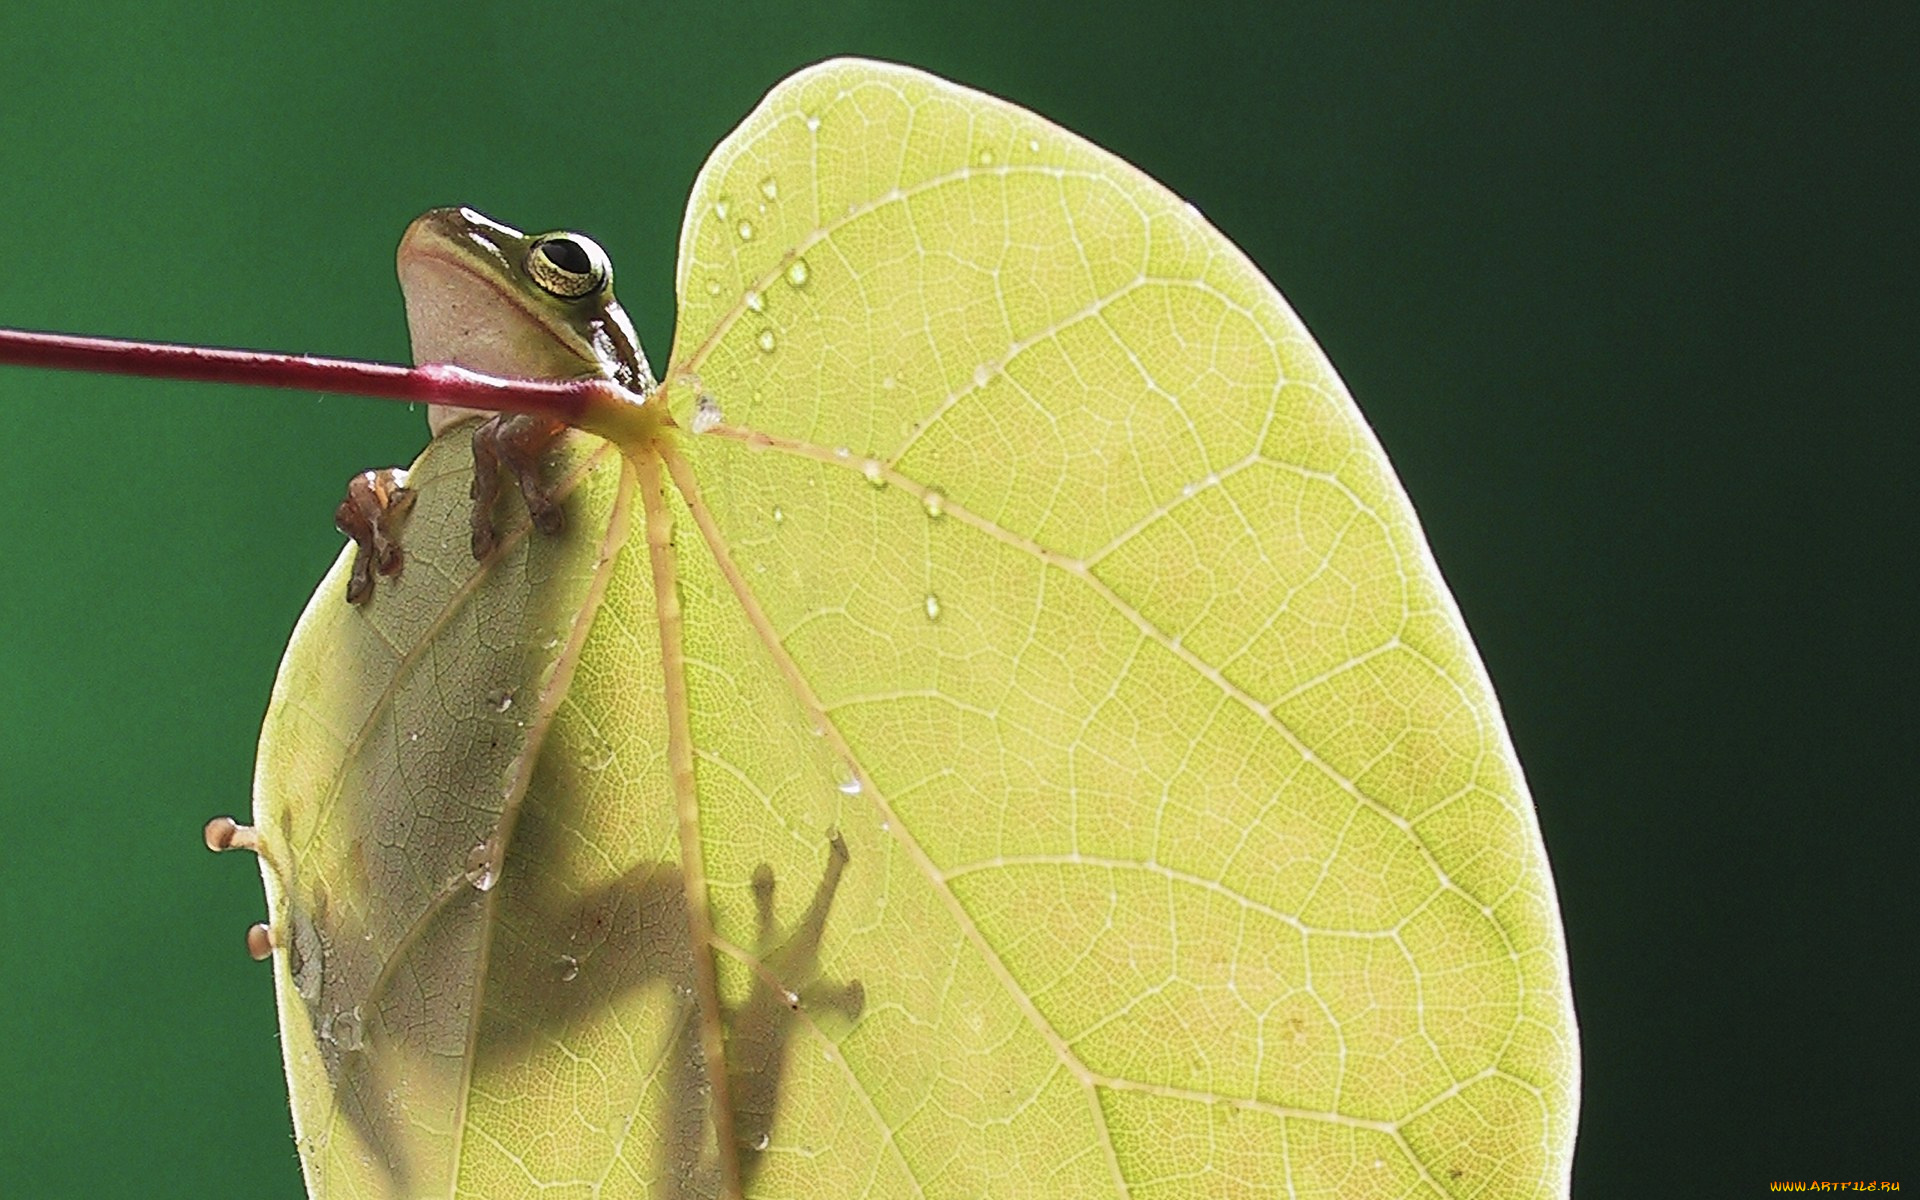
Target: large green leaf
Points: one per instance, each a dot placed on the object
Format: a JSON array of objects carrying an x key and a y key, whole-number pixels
[{"x": 1033, "y": 686}]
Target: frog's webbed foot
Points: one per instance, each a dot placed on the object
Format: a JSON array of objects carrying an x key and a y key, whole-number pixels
[
  {"x": 377, "y": 503},
  {"x": 518, "y": 442}
]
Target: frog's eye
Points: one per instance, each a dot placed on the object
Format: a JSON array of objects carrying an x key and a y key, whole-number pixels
[{"x": 568, "y": 265}]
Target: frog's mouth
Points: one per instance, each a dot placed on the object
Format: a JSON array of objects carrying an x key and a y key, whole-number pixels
[{"x": 460, "y": 313}]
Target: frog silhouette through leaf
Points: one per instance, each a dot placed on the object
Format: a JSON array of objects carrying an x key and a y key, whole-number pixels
[
  {"x": 439, "y": 916},
  {"x": 579, "y": 956}
]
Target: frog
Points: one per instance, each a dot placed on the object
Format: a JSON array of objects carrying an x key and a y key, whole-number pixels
[{"x": 485, "y": 296}]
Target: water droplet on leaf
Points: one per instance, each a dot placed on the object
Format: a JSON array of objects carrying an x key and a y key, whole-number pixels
[
  {"x": 482, "y": 869},
  {"x": 981, "y": 374},
  {"x": 797, "y": 272},
  {"x": 934, "y": 502},
  {"x": 344, "y": 1030},
  {"x": 754, "y": 301},
  {"x": 720, "y": 207},
  {"x": 706, "y": 414},
  {"x": 569, "y": 968},
  {"x": 933, "y": 607},
  {"x": 850, "y": 785},
  {"x": 762, "y": 1142},
  {"x": 766, "y": 340},
  {"x": 746, "y": 231},
  {"x": 598, "y": 756},
  {"x": 871, "y": 469},
  {"x": 769, "y": 188},
  {"x": 500, "y": 701}
]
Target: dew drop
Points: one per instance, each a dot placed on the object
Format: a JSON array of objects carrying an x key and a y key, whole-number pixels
[
  {"x": 1033, "y": 144},
  {"x": 871, "y": 469},
  {"x": 482, "y": 871},
  {"x": 986, "y": 158},
  {"x": 766, "y": 340},
  {"x": 754, "y": 301},
  {"x": 981, "y": 374},
  {"x": 884, "y": 827},
  {"x": 414, "y": 736},
  {"x": 500, "y": 701},
  {"x": 842, "y": 452},
  {"x": 813, "y": 124},
  {"x": 599, "y": 757},
  {"x": 720, "y": 207},
  {"x": 769, "y": 188},
  {"x": 746, "y": 231},
  {"x": 850, "y": 786},
  {"x": 888, "y": 384},
  {"x": 713, "y": 287},
  {"x": 569, "y": 968},
  {"x": 797, "y": 272},
  {"x": 706, "y": 414},
  {"x": 779, "y": 514},
  {"x": 933, "y": 607},
  {"x": 791, "y": 998},
  {"x": 344, "y": 1030},
  {"x": 762, "y": 1142},
  {"x": 934, "y": 502}
]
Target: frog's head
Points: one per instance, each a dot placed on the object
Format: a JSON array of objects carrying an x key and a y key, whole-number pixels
[{"x": 484, "y": 296}]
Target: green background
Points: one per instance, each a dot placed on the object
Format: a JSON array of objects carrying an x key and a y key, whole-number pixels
[{"x": 1623, "y": 289}]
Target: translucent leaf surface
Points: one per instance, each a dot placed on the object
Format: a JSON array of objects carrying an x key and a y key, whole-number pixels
[{"x": 1032, "y": 685}]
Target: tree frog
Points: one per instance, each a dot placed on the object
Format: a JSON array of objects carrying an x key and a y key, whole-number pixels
[{"x": 487, "y": 297}]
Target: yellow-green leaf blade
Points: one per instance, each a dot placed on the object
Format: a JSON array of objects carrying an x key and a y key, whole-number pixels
[
  {"x": 1189, "y": 796},
  {"x": 395, "y": 758}
]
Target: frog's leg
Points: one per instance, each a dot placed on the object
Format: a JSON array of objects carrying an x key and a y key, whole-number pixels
[
  {"x": 376, "y": 504},
  {"x": 797, "y": 957},
  {"x": 518, "y": 442},
  {"x": 786, "y": 982}
]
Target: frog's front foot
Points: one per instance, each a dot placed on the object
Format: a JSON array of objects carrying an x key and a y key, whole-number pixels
[
  {"x": 376, "y": 504},
  {"x": 518, "y": 442}
]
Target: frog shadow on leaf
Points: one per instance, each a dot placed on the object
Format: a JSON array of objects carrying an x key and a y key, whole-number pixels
[{"x": 564, "y": 957}]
